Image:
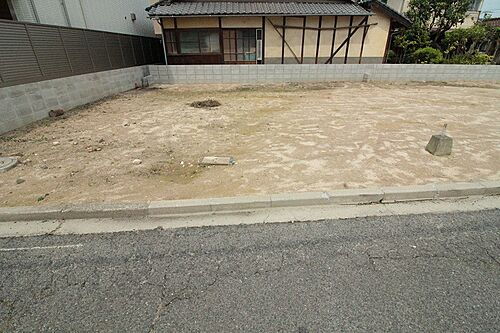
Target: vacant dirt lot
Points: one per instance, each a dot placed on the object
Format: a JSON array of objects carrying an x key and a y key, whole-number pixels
[{"x": 284, "y": 138}]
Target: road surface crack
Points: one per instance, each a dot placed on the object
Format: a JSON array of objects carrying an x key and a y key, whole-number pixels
[{"x": 178, "y": 296}]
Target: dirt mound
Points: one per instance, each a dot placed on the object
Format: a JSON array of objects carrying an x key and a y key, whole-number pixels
[{"x": 208, "y": 103}]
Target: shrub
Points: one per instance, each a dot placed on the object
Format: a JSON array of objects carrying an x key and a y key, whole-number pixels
[
  {"x": 427, "y": 55},
  {"x": 392, "y": 57},
  {"x": 471, "y": 59}
]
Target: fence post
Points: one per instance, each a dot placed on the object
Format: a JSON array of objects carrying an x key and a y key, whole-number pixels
[
  {"x": 121, "y": 49},
  {"x": 107, "y": 51},
  {"x": 88, "y": 49},
  {"x": 142, "y": 49},
  {"x": 65, "y": 51},
  {"x": 133, "y": 51},
  {"x": 33, "y": 48}
]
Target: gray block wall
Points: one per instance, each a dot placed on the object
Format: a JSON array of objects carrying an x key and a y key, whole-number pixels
[
  {"x": 23, "y": 104},
  {"x": 270, "y": 73}
]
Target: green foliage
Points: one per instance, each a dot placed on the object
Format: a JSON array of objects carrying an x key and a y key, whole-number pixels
[
  {"x": 469, "y": 41},
  {"x": 427, "y": 55},
  {"x": 438, "y": 16},
  {"x": 392, "y": 57},
  {"x": 470, "y": 59},
  {"x": 431, "y": 19}
]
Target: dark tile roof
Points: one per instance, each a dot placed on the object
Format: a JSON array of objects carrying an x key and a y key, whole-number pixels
[
  {"x": 255, "y": 8},
  {"x": 389, "y": 11}
]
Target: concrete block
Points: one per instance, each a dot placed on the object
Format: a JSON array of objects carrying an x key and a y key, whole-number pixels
[
  {"x": 16, "y": 91},
  {"x": 440, "y": 145},
  {"x": 300, "y": 199},
  {"x": 356, "y": 196},
  {"x": 408, "y": 193},
  {"x": 240, "y": 203},
  {"x": 23, "y": 110},
  {"x": 459, "y": 190},
  {"x": 52, "y": 103},
  {"x": 104, "y": 211},
  {"x": 491, "y": 187},
  {"x": 29, "y": 213},
  {"x": 179, "y": 207}
]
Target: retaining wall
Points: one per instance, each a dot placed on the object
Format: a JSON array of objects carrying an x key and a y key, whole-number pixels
[
  {"x": 299, "y": 73},
  {"x": 23, "y": 104}
]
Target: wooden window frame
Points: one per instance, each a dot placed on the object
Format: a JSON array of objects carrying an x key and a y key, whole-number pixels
[
  {"x": 236, "y": 47},
  {"x": 178, "y": 41}
]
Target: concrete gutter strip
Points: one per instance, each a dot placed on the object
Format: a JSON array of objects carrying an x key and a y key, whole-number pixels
[
  {"x": 196, "y": 206},
  {"x": 104, "y": 211},
  {"x": 356, "y": 196},
  {"x": 410, "y": 193},
  {"x": 300, "y": 199}
]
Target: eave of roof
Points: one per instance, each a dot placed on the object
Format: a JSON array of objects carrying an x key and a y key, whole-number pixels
[
  {"x": 391, "y": 12},
  {"x": 190, "y": 8}
]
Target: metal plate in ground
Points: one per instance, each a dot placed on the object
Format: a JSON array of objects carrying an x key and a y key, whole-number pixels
[{"x": 7, "y": 163}]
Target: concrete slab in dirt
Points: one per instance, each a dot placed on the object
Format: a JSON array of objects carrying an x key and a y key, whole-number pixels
[
  {"x": 7, "y": 163},
  {"x": 217, "y": 160}
]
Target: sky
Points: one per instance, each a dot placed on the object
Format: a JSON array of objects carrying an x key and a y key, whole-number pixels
[{"x": 493, "y": 6}]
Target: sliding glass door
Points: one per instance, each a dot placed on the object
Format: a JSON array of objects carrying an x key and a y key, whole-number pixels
[{"x": 240, "y": 46}]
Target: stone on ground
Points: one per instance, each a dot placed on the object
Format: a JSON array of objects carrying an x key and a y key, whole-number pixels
[{"x": 440, "y": 145}]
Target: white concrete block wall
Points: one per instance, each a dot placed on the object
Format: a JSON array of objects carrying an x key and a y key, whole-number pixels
[
  {"x": 23, "y": 104},
  {"x": 301, "y": 73}
]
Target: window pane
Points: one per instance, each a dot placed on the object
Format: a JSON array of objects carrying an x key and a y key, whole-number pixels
[
  {"x": 209, "y": 41},
  {"x": 171, "y": 48},
  {"x": 189, "y": 42}
]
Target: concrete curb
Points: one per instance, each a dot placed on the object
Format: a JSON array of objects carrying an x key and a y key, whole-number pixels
[{"x": 197, "y": 206}]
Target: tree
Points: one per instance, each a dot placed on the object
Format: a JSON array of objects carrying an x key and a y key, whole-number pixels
[
  {"x": 431, "y": 19},
  {"x": 438, "y": 16},
  {"x": 464, "y": 45}
]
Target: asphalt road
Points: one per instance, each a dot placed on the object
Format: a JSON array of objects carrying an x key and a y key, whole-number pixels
[{"x": 409, "y": 273}]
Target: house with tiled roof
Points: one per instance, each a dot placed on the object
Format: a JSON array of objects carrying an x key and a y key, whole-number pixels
[{"x": 275, "y": 31}]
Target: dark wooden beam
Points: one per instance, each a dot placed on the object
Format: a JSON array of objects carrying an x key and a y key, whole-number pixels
[
  {"x": 388, "y": 41},
  {"x": 221, "y": 39},
  {"x": 164, "y": 39},
  {"x": 303, "y": 38},
  {"x": 283, "y": 42},
  {"x": 348, "y": 41},
  {"x": 345, "y": 41},
  {"x": 334, "y": 36},
  {"x": 177, "y": 40},
  {"x": 296, "y": 27},
  {"x": 263, "y": 39},
  {"x": 287, "y": 45},
  {"x": 318, "y": 39},
  {"x": 365, "y": 32}
]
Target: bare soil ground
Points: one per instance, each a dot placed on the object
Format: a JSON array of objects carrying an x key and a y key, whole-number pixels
[{"x": 285, "y": 138}]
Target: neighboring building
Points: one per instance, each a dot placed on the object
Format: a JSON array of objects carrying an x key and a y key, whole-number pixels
[
  {"x": 274, "y": 31},
  {"x": 494, "y": 22},
  {"x": 472, "y": 15},
  {"x": 121, "y": 16}
]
